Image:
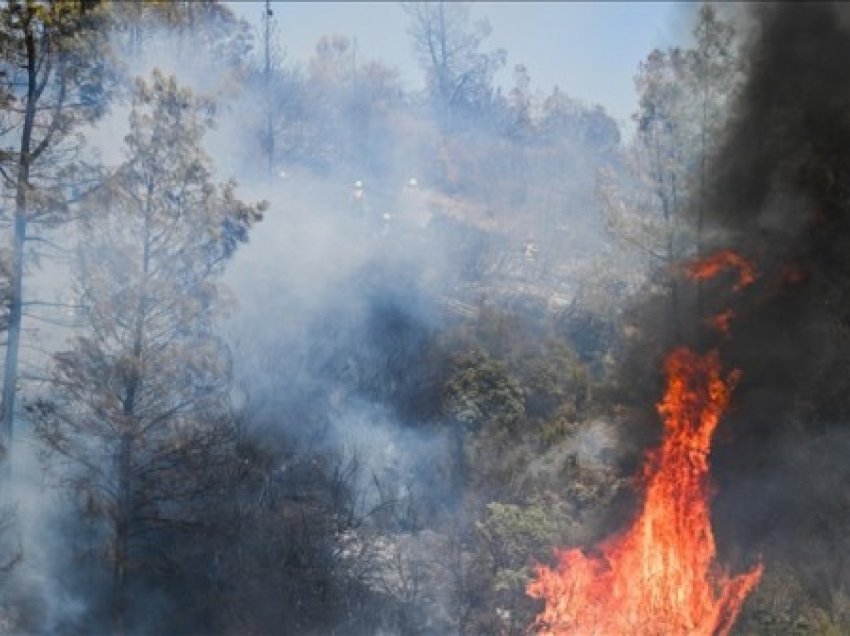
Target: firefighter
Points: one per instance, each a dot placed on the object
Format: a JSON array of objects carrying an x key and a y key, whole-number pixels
[
  {"x": 530, "y": 251},
  {"x": 414, "y": 205},
  {"x": 359, "y": 202},
  {"x": 386, "y": 220}
]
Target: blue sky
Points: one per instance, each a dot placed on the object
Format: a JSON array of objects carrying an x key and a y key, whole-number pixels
[{"x": 590, "y": 49}]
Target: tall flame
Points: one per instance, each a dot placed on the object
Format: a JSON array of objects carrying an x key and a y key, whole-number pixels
[{"x": 659, "y": 577}]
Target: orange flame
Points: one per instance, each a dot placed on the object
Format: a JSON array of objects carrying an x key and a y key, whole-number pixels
[
  {"x": 659, "y": 577},
  {"x": 721, "y": 321},
  {"x": 712, "y": 265}
]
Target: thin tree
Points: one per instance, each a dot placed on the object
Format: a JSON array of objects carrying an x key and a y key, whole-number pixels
[
  {"x": 684, "y": 101},
  {"x": 53, "y": 72},
  {"x": 269, "y": 30},
  {"x": 646, "y": 211},
  {"x": 713, "y": 74}
]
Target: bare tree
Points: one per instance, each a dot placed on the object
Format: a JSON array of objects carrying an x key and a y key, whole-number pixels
[{"x": 459, "y": 73}]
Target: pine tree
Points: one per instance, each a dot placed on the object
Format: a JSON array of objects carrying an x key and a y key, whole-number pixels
[
  {"x": 684, "y": 97},
  {"x": 140, "y": 411}
]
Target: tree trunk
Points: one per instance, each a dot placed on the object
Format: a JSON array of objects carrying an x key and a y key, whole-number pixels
[
  {"x": 124, "y": 514},
  {"x": 10, "y": 366},
  {"x": 675, "y": 327},
  {"x": 124, "y": 509},
  {"x": 268, "y": 81},
  {"x": 122, "y": 529}
]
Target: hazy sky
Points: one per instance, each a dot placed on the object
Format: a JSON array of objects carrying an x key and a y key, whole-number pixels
[{"x": 590, "y": 49}]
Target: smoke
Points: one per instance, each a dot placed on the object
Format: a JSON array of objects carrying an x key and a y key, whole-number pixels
[
  {"x": 335, "y": 321},
  {"x": 779, "y": 195},
  {"x": 337, "y": 306}
]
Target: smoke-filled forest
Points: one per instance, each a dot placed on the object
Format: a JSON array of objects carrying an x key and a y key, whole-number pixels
[{"x": 293, "y": 347}]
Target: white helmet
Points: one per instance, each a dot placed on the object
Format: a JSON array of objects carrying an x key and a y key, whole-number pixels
[{"x": 358, "y": 185}]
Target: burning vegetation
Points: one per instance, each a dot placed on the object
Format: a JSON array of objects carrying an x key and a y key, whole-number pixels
[
  {"x": 711, "y": 266},
  {"x": 400, "y": 375},
  {"x": 661, "y": 576}
]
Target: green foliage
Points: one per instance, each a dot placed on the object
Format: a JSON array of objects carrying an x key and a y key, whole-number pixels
[
  {"x": 519, "y": 389},
  {"x": 481, "y": 393},
  {"x": 210, "y": 23},
  {"x": 520, "y": 362},
  {"x": 59, "y": 46},
  {"x": 509, "y": 540},
  {"x": 556, "y": 429},
  {"x": 552, "y": 379},
  {"x": 513, "y": 536}
]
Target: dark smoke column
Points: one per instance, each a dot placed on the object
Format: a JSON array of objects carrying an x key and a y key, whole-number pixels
[{"x": 779, "y": 194}]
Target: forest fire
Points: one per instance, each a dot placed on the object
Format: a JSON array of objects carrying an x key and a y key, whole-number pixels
[
  {"x": 660, "y": 575},
  {"x": 712, "y": 265}
]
